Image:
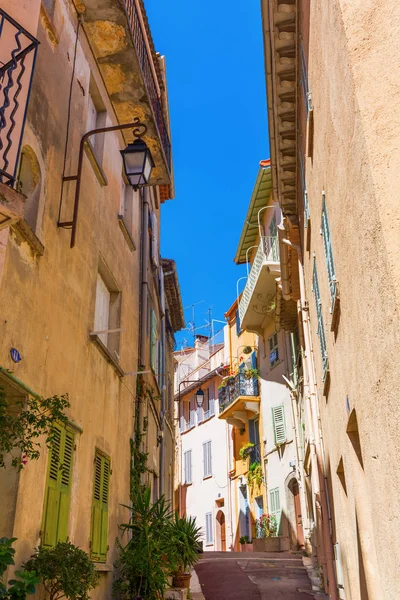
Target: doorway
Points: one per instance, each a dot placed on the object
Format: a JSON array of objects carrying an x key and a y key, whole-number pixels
[
  {"x": 298, "y": 521},
  {"x": 222, "y": 530}
]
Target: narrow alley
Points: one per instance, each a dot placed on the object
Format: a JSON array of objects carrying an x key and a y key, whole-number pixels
[{"x": 261, "y": 576}]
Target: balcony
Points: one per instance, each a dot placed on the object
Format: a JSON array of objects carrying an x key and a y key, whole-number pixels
[
  {"x": 239, "y": 396},
  {"x": 121, "y": 42},
  {"x": 258, "y": 298},
  {"x": 17, "y": 60}
]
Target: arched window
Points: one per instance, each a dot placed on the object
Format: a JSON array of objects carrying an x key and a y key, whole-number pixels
[{"x": 29, "y": 184}]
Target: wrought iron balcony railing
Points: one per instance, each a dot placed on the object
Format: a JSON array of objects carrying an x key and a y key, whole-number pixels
[
  {"x": 267, "y": 251},
  {"x": 240, "y": 385},
  {"x": 17, "y": 62},
  {"x": 148, "y": 75}
]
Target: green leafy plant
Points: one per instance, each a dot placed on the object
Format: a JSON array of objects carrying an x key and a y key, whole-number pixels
[
  {"x": 26, "y": 581},
  {"x": 22, "y": 423},
  {"x": 65, "y": 571},
  {"x": 255, "y": 475},
  {"x": 250, "y": 373},
  {"x": 185, "y": 539},
  {"x": 244, "y": 539},
  {"x": 144, "y": 563},
  {"x": 245, "y": 450},
  {"x": 266, "y": 526}
]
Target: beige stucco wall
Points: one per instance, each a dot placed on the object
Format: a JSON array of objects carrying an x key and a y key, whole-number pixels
[
  {"x": 47, "y": 302},
  {"x": 354, "y": 78}
]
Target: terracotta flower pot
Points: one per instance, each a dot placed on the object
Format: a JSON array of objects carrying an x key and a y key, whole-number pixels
[{"x": 182, "y": 580}]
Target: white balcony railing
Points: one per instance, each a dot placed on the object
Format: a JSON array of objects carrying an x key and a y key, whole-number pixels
[{"x": 267, "y": 252}]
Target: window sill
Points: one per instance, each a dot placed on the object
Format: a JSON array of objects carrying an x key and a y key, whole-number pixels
[
  {"x": 206, "y": 420},
  {"x": 23, "y": 230},
  {"x": 106, "y": 353},
  {"x": 207, "y": 477},
  {"x": 335, "y": 310},
  {"x": 96, "y": 166},
  {"x": 188, "y": 483},
  {"x": 102, "y": 567},
  {"x": 271, "y": 368},
  {"x": 187, "y": 430},
  {"x": 125, "y": 232}
]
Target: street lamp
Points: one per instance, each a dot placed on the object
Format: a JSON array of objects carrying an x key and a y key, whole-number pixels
[
  {"x": 138, "y": 163},
  {"x": 199, "y": 397}
]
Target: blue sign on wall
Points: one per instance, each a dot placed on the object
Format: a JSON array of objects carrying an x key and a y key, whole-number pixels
[
  {"x": 273, "y": 356},
  {"x": 15, "y": 355}
]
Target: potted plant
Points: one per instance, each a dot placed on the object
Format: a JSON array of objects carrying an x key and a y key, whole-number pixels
[
  {"x": 145, "y": 562},
  {"x": 251, "y": 373},
  {"x": 65, "y": 570},
  {"x": 245, "y": 450},
  {"x": 255, "y": 475},
  {"x": 245, "y": 544},
  {"x": 267, "y": 539},
  {"x": 185, "y": 539},
  {"x": 26, "y": 582}
]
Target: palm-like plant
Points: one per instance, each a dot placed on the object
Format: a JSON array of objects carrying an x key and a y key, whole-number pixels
[
  {"x": 144, "y": 563},
  {"x": 185, "y": 539}
]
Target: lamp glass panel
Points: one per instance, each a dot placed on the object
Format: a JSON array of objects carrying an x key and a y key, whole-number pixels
[
  {"x": 134, "y": 162},
  {"x": 147, "y": 168}
]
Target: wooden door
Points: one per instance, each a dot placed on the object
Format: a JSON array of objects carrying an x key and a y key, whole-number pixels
[
  {"x": 223, "y": 533},
  {"x": 299, "y": 520}
]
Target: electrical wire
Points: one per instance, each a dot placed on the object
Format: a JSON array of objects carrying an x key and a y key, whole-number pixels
[{"x": 80, "y": 18}]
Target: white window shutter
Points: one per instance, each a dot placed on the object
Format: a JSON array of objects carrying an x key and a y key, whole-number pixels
[
  {"x": 102, "y": 308},
  {"x": 154, "y": 238},
  {"x": 278, "y": 420},
  {"x": 209, "y": 530}
]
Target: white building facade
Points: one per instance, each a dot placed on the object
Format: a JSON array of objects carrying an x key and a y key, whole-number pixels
[{"x": 203, "y": 441}]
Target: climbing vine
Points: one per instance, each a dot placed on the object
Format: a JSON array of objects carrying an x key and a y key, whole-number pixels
[
  {"x": 22, "y": 423},
  {"x": 138, "y": 456}
]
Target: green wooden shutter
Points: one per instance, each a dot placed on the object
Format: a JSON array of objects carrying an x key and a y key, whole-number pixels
[
  {"x": 278, "y": 420},
  {"x": 65, "y": 484},
  {"x": 153, "y": 341},
  {"x": 99, "y": 524},
  {"x": 58, "y": 488}
]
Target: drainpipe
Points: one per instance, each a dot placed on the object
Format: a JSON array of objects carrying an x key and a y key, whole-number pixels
[
  {"x": 144, "y": 244},
  {"x": 318, "y": 469},
  {"x": 163, "y": 394}
]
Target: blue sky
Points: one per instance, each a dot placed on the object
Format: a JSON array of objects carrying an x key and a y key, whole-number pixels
[{"x": 217, "y": 100}]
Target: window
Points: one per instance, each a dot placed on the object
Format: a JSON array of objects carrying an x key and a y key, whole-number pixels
[
  {"x": 192, "y": 409},
  {"x": 207, "y": 462},
  {"x": 273, "y": 350},
  {"x": 304, "y": 189},
  {"x": 275, "y": 507},
  {"x": 154, "y": 350},
  {"x": 96, "y": 118},
  {"x": 238, "y": 328},
  {"x": 29, "y": 184},
  {"x": 278, "y": 422},
  {"x": 99, "y": 525},
  {"x": 58, "y": 487},
  {"x": 304, "y": 81},
  {"x": 155, "y": 488},
  {"x": 128, "y": 215},
  {"x": 154, "y": 239},
  {"x": 326, "y": 235},
  {"x": 209, "y": 529},
  {"x": 187, "y": 460},
  {"x": 210, "y": 401},
  {"x": 107, "y": 315},
  {"x": 181, "y": 417},
  {"x": 320, "y": 320}
]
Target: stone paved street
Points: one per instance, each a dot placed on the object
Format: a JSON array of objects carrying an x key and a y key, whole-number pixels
[{"x": 253, "y": 576}]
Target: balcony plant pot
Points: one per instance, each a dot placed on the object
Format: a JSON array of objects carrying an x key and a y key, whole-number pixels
[
  {"x": 267, "y": 544},
  {"x": 247, "y": 547},
  {"x": 181, "y": 580}
]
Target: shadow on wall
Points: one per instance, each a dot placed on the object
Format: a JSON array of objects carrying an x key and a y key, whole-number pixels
[{"x": 361, "y": 570}]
